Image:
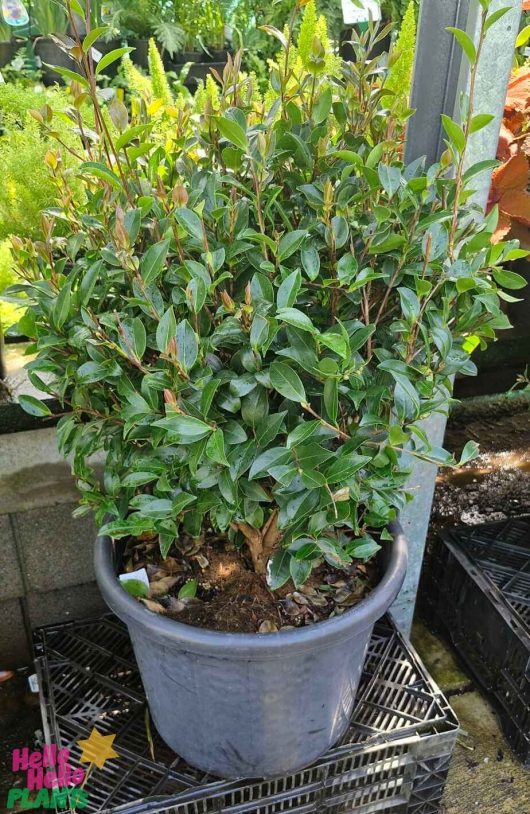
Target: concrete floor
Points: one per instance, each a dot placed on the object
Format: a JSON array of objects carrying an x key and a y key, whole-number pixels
[{"x": 485, "y": 776}]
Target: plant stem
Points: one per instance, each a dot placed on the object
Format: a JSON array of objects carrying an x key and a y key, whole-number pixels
[{"x": 467, "y": 132}]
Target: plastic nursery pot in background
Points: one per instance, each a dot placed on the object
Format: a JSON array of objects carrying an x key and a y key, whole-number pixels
[
  {"x": 8, "y": 52},
  {"x": 251, "y": 705}
]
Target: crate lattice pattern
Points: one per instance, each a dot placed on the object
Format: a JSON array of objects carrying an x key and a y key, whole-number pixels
[
  {"x": 393, "y": 759},
  {"x": 502, "y": 552},
  {"x": 477, "y": 591}
]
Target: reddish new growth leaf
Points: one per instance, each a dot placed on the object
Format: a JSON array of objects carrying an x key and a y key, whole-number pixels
[
  {"x": 510, "y": 181},
  {"x": 508, "y": 191}
]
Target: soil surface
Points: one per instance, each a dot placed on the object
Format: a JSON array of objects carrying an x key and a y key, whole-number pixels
[
  {"x": 497, "y": 484},
  {"x": 231, "y": 597}
]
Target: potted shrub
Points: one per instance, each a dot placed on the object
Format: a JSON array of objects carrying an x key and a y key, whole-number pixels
[{"x": 251, "y": 312}]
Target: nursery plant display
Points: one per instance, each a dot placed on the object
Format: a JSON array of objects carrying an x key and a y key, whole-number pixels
[
  {"x": 144, "y": 19},
  {"x": 249, "y": 317}
]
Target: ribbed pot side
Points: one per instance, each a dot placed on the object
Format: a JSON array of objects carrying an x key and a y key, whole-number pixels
[{"x": 251, "y": 705}]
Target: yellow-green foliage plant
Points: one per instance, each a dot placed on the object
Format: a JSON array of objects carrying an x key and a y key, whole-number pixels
[
  {"x": 9, "y": 313},
  {"x": 137, "y": 83},
  {"x": 399, "y": 80},
  {"x": 25, "y": 185},
  {"x": 159, "y": 80}
]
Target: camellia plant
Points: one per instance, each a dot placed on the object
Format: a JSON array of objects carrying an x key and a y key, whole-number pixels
[{"x": 250, "y": 316}]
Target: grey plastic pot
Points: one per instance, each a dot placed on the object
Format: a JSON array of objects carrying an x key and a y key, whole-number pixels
[{"x": 251, "y": 705}]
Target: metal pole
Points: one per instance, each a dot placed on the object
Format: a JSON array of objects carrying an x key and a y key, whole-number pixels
[
  {"x": 440, "y": 74},
  {"x": 436, "y": 76}
]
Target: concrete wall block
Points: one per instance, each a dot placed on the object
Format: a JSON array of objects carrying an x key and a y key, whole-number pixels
[
  {"x": 65, "y": 605},
  {"x": 56, "y": 549},
  {"x": 11, "y": 583},
  {"x": 14, "y": 646},
  {"x": 33, "y": 472}
]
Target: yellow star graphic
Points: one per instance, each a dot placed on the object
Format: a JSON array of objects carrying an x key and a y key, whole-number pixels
[{"x": 97, "y": 749}]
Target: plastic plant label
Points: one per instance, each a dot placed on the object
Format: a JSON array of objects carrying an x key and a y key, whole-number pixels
[
  {"x": 139, "y": 576},
  {"x": 96, "y": 55},
  {"x": 14, "y": 13},
  {"x": 363, "y": 13},
  {"x": 33, "y": 682}
]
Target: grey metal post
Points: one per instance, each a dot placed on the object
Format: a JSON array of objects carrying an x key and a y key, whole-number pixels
[{"x": 440, "y": 74}]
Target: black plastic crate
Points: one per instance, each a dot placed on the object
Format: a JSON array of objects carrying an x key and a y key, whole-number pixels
[
  {"x": 477, "y": 592},
  {"x": 393, "y": 759}
]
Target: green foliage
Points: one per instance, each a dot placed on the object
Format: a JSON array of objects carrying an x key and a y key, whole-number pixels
[
  {"x": 125, "y": 18},
  {"x": 395, "y": 10},
  {"x": 176, "y": 24},
  {"x": 399, "y": 79},
  {"x": 48, "y": 18},
  {"x": 23, "y": 68},
  {"x": 202, "y": 21},
  {"x": 251, "y": 318},
  {"x": 5, "y": 31}
]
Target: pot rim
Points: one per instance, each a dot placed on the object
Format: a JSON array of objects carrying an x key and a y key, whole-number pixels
[{"x": 199, "y": 639}]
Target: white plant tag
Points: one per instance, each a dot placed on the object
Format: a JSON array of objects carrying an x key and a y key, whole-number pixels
[
  {"x": 140, "y": 575},
  {"x": 33, "y": 682},
  {"x": 352, "y": 13},
  {"x": 96, "y": 55}
]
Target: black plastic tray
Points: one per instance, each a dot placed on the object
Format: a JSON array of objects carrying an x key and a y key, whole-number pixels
[
  {"x": 477, "y": 592},
  {"x": 394, "y": 758}
]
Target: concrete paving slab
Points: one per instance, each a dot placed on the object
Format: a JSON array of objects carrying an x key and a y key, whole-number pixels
[
  {"x": 56, "y": 548},
  {"x": 485, "y": 776},
  {"x": 11, "y": 584},
  {"x": 33, "y": 473},
  {"x": 67, "y": 604},
  {"x": 14, "y": 648}
]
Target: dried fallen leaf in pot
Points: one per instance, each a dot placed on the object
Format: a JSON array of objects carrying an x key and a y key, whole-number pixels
[
  {"x": 319, "y": 601},
  {"x": 172, "y": 565},
  {"x": 162, "y": 586},
  {"x": 155, "y": 607},
  {"x": 268, "y": 627},
  {"x": 299, "y": 598}
]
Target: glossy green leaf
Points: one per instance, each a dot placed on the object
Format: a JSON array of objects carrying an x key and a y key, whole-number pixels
[
  {"x": 110, "y": 57},
  {"x": 215, "y": 448},
  {"x": 166, "y": 330},
  {"x": 187, "y": 345},
  {"x": 190, "y": 221},
  {"x": 287, "y": 382},
  {"x": 33, "y": 406},
  {"x": 288, "y": 290},
  {"x": 233, "y": 131},
  {"x": 153, "y": 261},
  {"x": 465, "y": 42}
]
